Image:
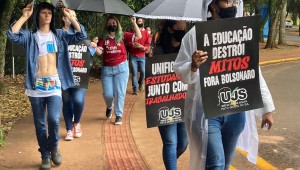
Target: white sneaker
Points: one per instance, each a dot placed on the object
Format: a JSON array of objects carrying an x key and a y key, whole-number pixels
[
  {"x": 69, "y": 136},
  {"x": 77, "y": 130}
]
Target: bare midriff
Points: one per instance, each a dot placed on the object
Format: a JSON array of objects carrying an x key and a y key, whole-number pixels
[{"x": 47, "y": 65}]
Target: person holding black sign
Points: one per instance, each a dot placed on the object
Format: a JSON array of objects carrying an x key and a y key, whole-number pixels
[
  {"x": 73, "y": 98},
  {"x": 174, "y": 136},
  {"x": 48, "y": 71},
  {"x": 213, "y": 141},
  {"x": 115, "y": 71}
]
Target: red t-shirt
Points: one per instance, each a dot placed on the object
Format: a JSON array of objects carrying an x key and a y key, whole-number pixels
[
  {"x": 113, "y": 53},
  {"x": 144, "y": 41}
]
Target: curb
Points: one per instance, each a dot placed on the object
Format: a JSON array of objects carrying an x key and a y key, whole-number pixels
[
  {"x": 261, "y": 163},
  {"x": 279, "y": 61}
]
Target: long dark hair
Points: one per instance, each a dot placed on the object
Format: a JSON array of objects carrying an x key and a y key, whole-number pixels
[
  {"x": 165, "y": 38},
  {"x": 37, "y": 10}
]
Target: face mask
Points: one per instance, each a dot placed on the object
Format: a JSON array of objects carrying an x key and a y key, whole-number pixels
[
  {"x": 149, "y": 32},
  {"x": 111, "y": 28},
  {"x": 178, "y": 35},
  {"x": 229, "y": 12},
  {"x": 140, "y": 25}
]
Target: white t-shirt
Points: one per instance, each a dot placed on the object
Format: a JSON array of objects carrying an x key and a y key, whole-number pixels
[{"x": 46, "y": 42}]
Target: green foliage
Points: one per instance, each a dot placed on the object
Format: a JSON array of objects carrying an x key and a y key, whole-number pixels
[
  {"x": 92, "y": 21},
  {"x": 97, "y": 65},
  {"x": 137, "y": 5},
  {"x": 293, "y": 7},
  {"x": 1, "y": 137},
  {"x": 1, "y": 89}
]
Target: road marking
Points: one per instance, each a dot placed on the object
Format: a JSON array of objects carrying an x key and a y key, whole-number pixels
[
  {"x": 279, "y": 60},
  {"x": 261, "y": 163},
  {"x": 232, "y": 168}
]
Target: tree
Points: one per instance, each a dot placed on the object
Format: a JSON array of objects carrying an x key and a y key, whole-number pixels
[
  {"x": 5, "y": 13},
  {"x": 275, "y": 7},
  {"x": 262, "y": 22},
  {"x": 255, "y": 7},
  {"x": 293, "y": 7},
  {"x": 281, "y": 39}
]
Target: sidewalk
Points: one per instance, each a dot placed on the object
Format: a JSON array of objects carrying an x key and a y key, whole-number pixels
[{"x": 104, "y": 145}]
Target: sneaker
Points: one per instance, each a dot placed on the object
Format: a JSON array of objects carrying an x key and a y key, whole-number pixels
[
  {"x": 118, "y": 120},
  {"x": 77, "y": 130},
  {"x": 135, "y": 92},
  {"x": 141, "y": 87},
  {"x": 108, "y": 113},
  {"x": 69, "y": 136},
  {"x": 56, "y": 156},
  {"x": 46, "y": 164}
]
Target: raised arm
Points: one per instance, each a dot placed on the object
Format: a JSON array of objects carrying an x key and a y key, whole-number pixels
[
  {"x": 27, "y": 12},
  {"x": 73, "y": 19},
  {"x": 138, "y": 34}
]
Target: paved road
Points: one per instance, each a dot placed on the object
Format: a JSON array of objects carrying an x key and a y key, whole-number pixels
[
  {"x": 292, "y": 34},
  {"x": 281, "y": 146}
]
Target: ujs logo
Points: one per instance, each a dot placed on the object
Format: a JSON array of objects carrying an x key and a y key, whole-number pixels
[
  {"x": 228, "y": 96},
  {"x": 169, "y": 115},
  {"x": 77, "y": 80}
]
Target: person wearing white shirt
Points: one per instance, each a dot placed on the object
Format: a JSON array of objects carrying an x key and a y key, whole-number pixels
[{"x": 213, "y": 141}]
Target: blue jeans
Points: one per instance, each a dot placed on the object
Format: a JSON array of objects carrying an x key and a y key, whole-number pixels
[
  {"x": 73, "y": 103},
  {"x": 114, "y": 83},
  {"x": 175, "y": 142},
  {"x": 223, "y": 133},
  {"x": 53, "y": 105},
  {"x": 138, "y": 64}
]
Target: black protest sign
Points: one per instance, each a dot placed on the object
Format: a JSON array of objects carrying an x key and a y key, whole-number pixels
[
  {"x": 230, "y": 76},
  {"x": 80, "y": 60},
  {"x": 165, "y": 93}
]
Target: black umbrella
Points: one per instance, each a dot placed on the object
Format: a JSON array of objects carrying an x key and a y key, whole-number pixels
[
  {"x": 188, "y": 10},
  {"x": 105, "y": 6}
]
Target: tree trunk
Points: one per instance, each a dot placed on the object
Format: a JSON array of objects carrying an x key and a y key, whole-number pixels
[
  {"x": 282, "y": 39},
  {"x": 262, "y": 21},
  {"x": 275, "y": 7},
  {"x": 261, "y": 28},
  {"x": 271, "y": 25},
  {"x": 299, "y": 23},
  {"x": 5, "y": 13}
]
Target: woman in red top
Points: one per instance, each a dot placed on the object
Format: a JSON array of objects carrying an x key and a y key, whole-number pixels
[{"x": 115, "y": 71}]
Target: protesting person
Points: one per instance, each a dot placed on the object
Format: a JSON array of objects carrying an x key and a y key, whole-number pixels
[
  {"x": 115, "y": 71},
  {"x": 148, "y": 29},
  {"x": 154, "y": 38},
  {"x": 73, "y": 98},
  {"x": 137, "y": 53},
  {"x": 213, "y": 141},
  {"x": 174, "y": 136},
  {"x": 95, "y": 39},
  {"x": 149, "y": 52},
  {"x": 48, "y": 71}
]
